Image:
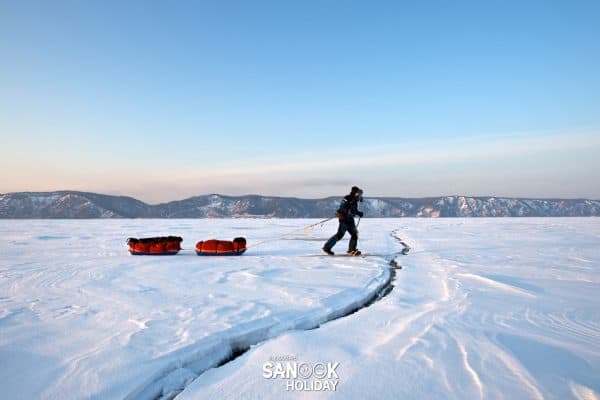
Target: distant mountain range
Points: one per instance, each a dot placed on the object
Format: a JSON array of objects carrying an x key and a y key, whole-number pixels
[{"x": 72, "y": 204}]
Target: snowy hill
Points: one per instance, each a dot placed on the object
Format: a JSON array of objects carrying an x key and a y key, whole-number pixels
[
  {"x": 72, "y": 204},
  {"x": 69, "y": 204}
]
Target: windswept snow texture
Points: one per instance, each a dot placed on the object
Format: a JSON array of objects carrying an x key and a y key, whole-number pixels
[
  {"x": 81, "y": 318},
  {"x": 481, "y": 309}
]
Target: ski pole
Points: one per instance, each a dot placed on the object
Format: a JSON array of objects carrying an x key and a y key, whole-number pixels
[{"x": 357, "y": 224}]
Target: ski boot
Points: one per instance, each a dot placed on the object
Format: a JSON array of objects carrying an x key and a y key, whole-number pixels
[
  {"x": 354, "y": 252},
  {"x": 328, "y": 251}
]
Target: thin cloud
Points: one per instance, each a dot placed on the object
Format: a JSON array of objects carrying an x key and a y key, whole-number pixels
[{"x": 438, "y": 153}]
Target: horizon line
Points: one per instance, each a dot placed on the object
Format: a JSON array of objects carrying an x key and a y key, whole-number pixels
[{"x": 296, "y": 197}]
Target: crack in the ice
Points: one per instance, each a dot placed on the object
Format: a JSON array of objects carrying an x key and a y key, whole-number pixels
[{"x": 163, "y": 387}]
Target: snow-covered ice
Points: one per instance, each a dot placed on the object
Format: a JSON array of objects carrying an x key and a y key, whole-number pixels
[
  {"x": 482, "y": 308},
  {"x": 80, "y": 316}
]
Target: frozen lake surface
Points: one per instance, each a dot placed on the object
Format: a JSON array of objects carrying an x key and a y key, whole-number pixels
[{"x": 481, "y": 308}]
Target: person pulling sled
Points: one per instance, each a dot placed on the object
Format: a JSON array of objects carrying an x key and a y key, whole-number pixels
[{"x": 346, "y": 213}]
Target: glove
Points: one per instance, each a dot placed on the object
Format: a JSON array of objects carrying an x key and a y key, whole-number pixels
[{"x": 360, "y": 214}]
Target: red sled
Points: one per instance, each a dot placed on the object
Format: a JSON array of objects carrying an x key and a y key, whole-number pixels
[
  {"x": 215, "y": 247},
  {"x": 155, "y": 246}
]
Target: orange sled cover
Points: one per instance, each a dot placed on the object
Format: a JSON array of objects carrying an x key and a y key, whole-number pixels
[
  {"x": 155, "y": 246},
  {"x": 215, "y": 247}
]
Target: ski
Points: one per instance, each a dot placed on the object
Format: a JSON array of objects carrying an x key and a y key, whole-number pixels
[{"x": 346, "y": 255}]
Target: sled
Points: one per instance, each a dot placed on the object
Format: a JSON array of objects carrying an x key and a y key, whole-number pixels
[
  {"x": 214, "y": 247},
  {"x": 155, "y": 246},
  {"x": 148, "y": 253}
]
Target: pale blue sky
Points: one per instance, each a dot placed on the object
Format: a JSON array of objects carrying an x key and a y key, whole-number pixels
[{"x": 164, "y": 100}]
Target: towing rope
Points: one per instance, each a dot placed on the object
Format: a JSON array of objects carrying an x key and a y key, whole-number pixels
[{"x": 305, "y": 228}]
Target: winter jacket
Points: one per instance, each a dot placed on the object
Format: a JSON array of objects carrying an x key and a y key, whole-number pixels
[{"x": 348, "y": 209}]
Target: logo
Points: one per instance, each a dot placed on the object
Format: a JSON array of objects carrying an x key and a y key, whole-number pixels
[{"x": 302, "y": 376}]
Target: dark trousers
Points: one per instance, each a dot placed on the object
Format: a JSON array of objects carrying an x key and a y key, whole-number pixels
[{"x": 346, "y": 225}]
